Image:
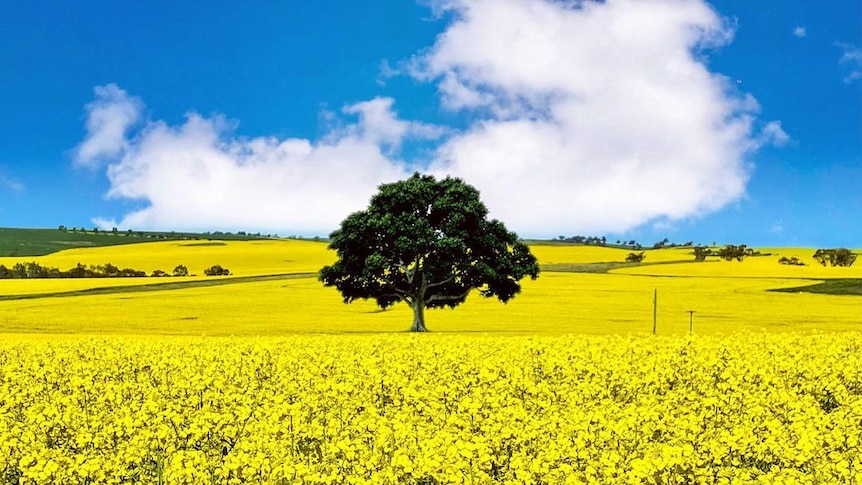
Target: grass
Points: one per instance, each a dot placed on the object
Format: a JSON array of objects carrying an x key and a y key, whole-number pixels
[
  {"x": 274, "y": 291},
  {"x": 599, "y": 267},
  {"x": 163, "y": 286},
  {"x": 851, "y": 286},
  {"x": 39, "y": 242}
]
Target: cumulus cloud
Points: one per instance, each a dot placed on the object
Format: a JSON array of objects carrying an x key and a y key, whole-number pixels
[
  {"x": 109, "y": 117},
  {"x": 800, "y": 32},
  {"x": 592, "y": 116},
  {"x": 772, "y": 134},
  {"x": 10, "y": 184},
  {"x": 852, "y": 58},
  {"x": 200, "y": 175},
  {"x": 581, "y": 117}
]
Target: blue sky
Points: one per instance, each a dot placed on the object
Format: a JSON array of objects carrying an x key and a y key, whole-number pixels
[{"x": 735, "y": 122}]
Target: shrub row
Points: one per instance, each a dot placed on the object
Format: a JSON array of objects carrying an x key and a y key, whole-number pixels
[{"x": 35, "y": 270}]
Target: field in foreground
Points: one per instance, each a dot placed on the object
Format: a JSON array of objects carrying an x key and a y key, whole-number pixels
[
  {"x": 432, "y": 409},
  {"x": 111, "y": 381}
]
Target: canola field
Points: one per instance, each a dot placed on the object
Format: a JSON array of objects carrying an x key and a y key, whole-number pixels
[
  {"x": 433, "y": 409},
  {"x": 725, "y": 297},
  {"x": 267, "y": 377}
]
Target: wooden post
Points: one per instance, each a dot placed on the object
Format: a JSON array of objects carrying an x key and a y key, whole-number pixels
[
  {"x": 690, "y": 321},
  {"x": 654, "y": 309}
]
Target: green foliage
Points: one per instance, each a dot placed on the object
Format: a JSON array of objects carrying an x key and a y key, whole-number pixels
[
  {"x": 701, "y": 252},
  {"x": 428, "y": 243},
  {"x": 39, "y": 242},
  {"x": 35, "y": 270},
  {"x": 843, "y": 286},
  {"x": 181, "y": 270},
  {"x": 793, "y": 261},
  {"x": 731, "y": 252},
  {"x": 835, "y": 257},
  {"x": 635, "y": 257},
  {"x": 216, "y": 270}
]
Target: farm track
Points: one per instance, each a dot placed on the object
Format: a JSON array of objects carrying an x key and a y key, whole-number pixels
[{"x": 172, "y": 285}]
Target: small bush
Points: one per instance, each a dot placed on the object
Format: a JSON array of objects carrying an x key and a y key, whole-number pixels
[
  {"x": 794, "y": 261},
  {"x": 217, "y": 270},
  {"x": 635, "y": 257}
]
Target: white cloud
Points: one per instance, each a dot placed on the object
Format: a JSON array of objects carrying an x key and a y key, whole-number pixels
[
  {"x": 586, "y": 118},
  {"x": 594, "y": 116},
  {"x": 199, "y": 175},
  {"x": 772, "y": 134},
  {"x": 852, "y": 57},
  {"x": 11, "y": 184},
  {"x": 109, "y": 117},
  {"x": 800, "y": 32},
  {"x": 777, "y": 227}
]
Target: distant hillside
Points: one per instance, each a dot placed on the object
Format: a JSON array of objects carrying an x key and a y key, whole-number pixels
[{"x": 39, "y": 242}]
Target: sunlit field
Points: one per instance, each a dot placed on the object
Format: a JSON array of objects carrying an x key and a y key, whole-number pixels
[
  {"x": 724, "y": 296},
  {"x": 751, "y": 267},
  {"x": 432, "y": 409},
  {"x": 243, "y": 258},
  {"x": 266, "y": 376}
]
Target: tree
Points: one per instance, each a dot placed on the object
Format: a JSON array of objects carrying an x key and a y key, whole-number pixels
[
  {"x": 427, "y": 243},
  {"x": 793, "y": 261},
  {"x": 701, "y": 252},
  {"x": 835, "y": 257},
  {"x": 730, "y": 252},
  {"x": 181, "y": 270},
  {"x": 217, "y": 270},
  {"x": 635, "y": 257}
]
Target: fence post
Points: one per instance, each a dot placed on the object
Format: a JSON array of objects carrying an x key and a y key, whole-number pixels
[{"x": 654, "y": 309}]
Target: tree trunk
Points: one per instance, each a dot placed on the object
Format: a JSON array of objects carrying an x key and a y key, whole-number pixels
[{"x": 418, "y": 316}]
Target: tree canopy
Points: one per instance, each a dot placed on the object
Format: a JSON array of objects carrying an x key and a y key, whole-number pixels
[{"x": 427, "y": 243}]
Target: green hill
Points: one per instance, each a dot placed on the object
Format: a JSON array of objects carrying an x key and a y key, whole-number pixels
[{"x": 38, "y": 242}]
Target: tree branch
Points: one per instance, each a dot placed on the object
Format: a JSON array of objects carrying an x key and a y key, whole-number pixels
[
  {"x": 402, "y": 295},
  {"x": 446, "y": 298},
  {"x": 407, "y": 271},
  {"x": 441, "y": 283}
]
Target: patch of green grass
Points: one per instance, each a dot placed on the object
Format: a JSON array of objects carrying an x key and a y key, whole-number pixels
[
  {"x": 39, "y": 242},
  {"x": 851, "y": 286},
  {"x": 584, "y": 267},
  {"x": 599, "y": 267},
  {"x": 171, "y": 285}
]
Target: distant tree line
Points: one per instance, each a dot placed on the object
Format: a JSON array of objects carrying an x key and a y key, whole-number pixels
[
  {"x": 108, "y": 270},
  {"x": 172, "y": 235},
  {"x": 729, "y": 252},
  {"x": 666, "y": 244},
  {"x": 35, "y": 270},
  {"x": 603, "y": 241},
  {"x": 585, "y": 240}
]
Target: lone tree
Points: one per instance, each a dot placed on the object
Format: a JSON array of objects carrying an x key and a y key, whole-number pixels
[
  {"x": 635, "y": 257},
  {"x": 427, "y": 243},
  {"x": 835, "y": 257}
]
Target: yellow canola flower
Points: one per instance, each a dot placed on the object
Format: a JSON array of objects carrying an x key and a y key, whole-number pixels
[
  {"x": 725, "y": 297},
  {"x": 422, "y": 409}
]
